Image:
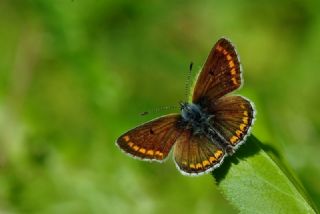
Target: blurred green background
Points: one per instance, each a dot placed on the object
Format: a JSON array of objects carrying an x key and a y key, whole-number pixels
[{"x": 74, "y": 75}]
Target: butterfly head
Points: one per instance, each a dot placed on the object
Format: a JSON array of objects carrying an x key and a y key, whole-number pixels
[{"x": 191, "y": 112}]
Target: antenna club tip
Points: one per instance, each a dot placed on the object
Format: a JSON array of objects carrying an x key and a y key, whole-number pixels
[{"x": 190, "y": 66}]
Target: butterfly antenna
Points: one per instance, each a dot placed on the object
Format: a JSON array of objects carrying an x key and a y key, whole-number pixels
[
  {"x": 187, "y": 89},
  {"x": 163, "y": 108}
]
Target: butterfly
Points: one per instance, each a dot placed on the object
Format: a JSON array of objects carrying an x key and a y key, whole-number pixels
[{"x": 207, "y": 129}]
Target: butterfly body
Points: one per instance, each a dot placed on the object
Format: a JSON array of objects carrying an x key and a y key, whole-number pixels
[
  {"x": 201, "y": 123},
  {"x": 195, "y": 118},
  {"x": 207, "y": 129}
]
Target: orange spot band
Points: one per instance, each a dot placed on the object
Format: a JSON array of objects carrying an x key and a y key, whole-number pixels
[{"x": 126, "y": 138}]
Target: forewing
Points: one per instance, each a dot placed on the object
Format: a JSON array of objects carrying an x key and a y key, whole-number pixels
[
  {"x": 152, "y": 140},
  {"x": 221, "y": 73},
  {"x": 196, "y": 154},
  {"x": 233, "y": 118}
]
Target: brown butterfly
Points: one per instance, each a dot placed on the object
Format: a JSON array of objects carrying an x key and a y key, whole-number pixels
[{"x": 208, "y": 129}]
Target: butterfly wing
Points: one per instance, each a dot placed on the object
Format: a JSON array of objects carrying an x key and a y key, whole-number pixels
[
  {"x": 233, "y": 118},
  {"x": 152, "y": 140},
  {"x": 196, "y": 154},
  {"x": 220, "y": 74}
]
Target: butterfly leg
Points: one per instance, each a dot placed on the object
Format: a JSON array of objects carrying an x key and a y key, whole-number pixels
[
  {"x": 225, "y": 145},
  {"x": 217, "y": 137},
  {"x": 222, "y": 143},
  {"x": 209, "y": 118}
]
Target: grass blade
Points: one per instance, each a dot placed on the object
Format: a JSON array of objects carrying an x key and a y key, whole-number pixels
[{"x": 255, "y": 180}]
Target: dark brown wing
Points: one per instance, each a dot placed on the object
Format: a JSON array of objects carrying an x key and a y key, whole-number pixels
[
  {"x": 220, "y": 75},
  {"x": 152, "y": 140},
  {"x": 196, "y": 154},
  {"x": 233, "y": 118}
]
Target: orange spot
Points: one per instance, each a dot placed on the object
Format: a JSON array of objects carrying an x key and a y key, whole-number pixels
[
  {"x": 212, "y": 159},
  {"x": 242, "y": 127},
  {"x": 234, "y": 139},
  {"x": 242, "y": 106},
  {"x": 160, "y": 154},
  {"x": 245, "y": 113},
  {"x": 245, "y": 120},
  {"x": 198, "y": 165},
  {"x": 231, "y": 64},
  {"x": 135, "y": 148},
  {"x": 233, "y": 71},
  {"x": 142, "y": 150},
  {"x": 130, "y": 144},
  {"x": 150, "y": 152},
  {"x": 126, "y": 138},
  {"x": 234, "y": 81},
  {"x": 184, "y": 163},
  {"x": 205, "y": 163},
  {"x": 229, "y": 57},
  {"x": 219, "y": 48},
  {"x": 238, "y": 132},
  {"x": 218, "y": 153},
  {"x": 192, "y": 166},
  {"x": 224, "y": 52}
]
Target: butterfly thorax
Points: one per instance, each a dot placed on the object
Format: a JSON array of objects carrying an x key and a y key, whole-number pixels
[{"x": 195, "y": 118}]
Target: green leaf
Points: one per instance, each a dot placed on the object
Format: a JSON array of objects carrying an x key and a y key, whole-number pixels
[{"x": 255, "y": 180}]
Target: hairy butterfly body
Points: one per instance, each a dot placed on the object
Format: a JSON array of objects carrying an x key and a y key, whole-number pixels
[{"x": 209, "y": 128}]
